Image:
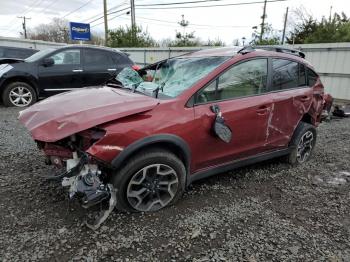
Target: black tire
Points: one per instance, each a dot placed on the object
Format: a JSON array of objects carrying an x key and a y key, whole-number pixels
[
  {"x": 303, "y": 131},
  {"x": 29, "y": 94},
  {"x": 157, "y": 156}
]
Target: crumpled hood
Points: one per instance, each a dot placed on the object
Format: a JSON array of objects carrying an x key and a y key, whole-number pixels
[
  {"x": 10, "y": 60},
  {"x": 65, "y": 114}
]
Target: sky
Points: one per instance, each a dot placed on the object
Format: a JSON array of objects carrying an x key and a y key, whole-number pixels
[{"x": 226, "y": 23}]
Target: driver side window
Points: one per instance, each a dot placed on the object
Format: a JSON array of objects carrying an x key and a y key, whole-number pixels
[{"x": 245, "y": 79}]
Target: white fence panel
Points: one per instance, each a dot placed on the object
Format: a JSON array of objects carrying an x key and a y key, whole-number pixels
[{"x": 331, "y": 60}]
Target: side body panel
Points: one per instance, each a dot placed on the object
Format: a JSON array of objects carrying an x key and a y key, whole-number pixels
[
  {"x": 98, "y": 67},
  {"x": 60, "y": 77},
  {"x": 288, "y": 109},
  {"x": 247, "y": 118}
]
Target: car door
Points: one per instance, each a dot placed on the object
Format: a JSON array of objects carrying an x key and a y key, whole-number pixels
[
  {"x": 98, "y": 66},
  {"x": 65, "y": 74},
  {"x": 291, "y": 100},
  {"x": 240, "y": 93}
]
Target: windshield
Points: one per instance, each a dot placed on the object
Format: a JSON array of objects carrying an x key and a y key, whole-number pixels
[
  {"x": 39, "y": 55},
  {"x": 172, "y": 76}
]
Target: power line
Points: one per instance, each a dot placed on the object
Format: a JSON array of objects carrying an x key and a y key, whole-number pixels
[
  {"x": 24, "y": 12},
  {"x": 200, "y": 6},
  {"x": 109, "y": 14},
  {"x": 47, "y": 6},
  {"x": 77, "y": 9},
  {"x": 175, "y": 26},
  {"x": 33, "y": 6},
  {"x": 110, "y": 9},
  {"x": 190, "y": 24},
  {"x": 181, "y": 3},
  {"x": 108, "y": 20}
]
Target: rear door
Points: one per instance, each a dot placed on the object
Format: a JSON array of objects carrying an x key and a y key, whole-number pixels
[
  {"x": 292, "y": 98},
  {"x": 98, "y": 65},
  {"x": 65, "y": 74},
  {"x": 240, "y": 93}
]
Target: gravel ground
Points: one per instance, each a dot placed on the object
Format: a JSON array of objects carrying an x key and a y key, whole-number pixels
[{"x": 265, "y": 212}]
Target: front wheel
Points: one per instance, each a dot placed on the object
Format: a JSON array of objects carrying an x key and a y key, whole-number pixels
[
  {"x": 18, "y": 94},
  {"x": 303, "y": 143},
  {"x": 150, "y": 181}
]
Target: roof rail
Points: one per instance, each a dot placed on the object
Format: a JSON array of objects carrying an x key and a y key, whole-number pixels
[
  {"x": 282, "y": 49},
  {"x": 246, "y": 49}
]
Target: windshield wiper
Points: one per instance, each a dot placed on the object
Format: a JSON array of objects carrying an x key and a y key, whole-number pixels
[{"x": 159, "y": 87}]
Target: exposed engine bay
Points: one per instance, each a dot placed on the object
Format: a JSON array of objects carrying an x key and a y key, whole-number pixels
[{"x": 85, "y": 177}]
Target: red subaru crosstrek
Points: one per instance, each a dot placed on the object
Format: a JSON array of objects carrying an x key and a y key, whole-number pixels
[{"x": 139, "y": 140}]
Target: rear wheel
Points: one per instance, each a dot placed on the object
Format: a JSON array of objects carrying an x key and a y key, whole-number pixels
[
  {"x": 150, "y": 181},
  {"x": 303, "y": 143},
  {"x": 19, "y": 94}
]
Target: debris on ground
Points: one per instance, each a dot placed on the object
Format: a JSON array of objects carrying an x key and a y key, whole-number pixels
[{"x": 266, "y": 212}]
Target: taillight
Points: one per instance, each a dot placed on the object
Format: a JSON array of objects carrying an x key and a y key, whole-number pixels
[{"x": 136, "y": 67}]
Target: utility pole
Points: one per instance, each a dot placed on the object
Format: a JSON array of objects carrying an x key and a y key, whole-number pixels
[
  {"x": 105, "y": 20},
  {"x": 24, "y": 25},
  {"x": 285, "y": 25},
  {"x": 263, "y": 22},
  {"x": 132, "y": 6}
]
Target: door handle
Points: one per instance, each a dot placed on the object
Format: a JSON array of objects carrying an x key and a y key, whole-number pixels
[
  {"x": 111, "y": 69},
  {"x": 77, "y": 70},
  {"x": 262, "y": 110}
]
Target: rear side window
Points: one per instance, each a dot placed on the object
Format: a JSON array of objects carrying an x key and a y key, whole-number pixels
[
  {"x": 96, "y": 57},
  {"x": 287, "y": 74},
  {"x": 121, "y": 59},
  {"x": 311, "y": 77}
]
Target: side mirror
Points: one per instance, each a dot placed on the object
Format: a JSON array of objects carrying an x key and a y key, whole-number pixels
[
  {"x": 220, "y": 128},
  {"x": 48, "y": 62}
]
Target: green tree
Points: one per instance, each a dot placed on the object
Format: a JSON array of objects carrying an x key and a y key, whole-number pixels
[
  {"x": 334, "y": 29},
  {"x": 270, "y": 36},
  {"x": 130, "y": 37},
  {"x": 216, "y": 42},
  {"x": 185, "y": 39}
]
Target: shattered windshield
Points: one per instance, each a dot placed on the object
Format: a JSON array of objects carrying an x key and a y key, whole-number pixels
[{"x": 171, "y": 77}]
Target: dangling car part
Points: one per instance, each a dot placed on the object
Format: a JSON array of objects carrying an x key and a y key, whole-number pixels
[
  {"x": 83, "y": 180},
  {"x": 137, "y": 142}
]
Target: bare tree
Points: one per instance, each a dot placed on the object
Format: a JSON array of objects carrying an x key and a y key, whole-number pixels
[{"x": 56, "y": 31}]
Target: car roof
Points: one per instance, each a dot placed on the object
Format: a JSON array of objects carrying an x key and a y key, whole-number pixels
[
  {"x": 233, "y": 51},
  {"x": 86, "y": 46},
  {"x": 222, "y": 51}
]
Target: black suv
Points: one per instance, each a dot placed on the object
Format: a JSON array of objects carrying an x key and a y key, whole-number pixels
[
  {"x": 16, "y": 52},
  {"x": 52, "y": 71}
]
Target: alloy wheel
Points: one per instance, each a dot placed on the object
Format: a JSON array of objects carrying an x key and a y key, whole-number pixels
[
  {"x": 305, "y": 147},
  {"x": 20, "y": 96},
  {"x": 152, "y": 187}
]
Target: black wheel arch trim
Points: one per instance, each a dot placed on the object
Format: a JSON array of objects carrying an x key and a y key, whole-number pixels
[
  {"x": 153, "y": 140},
  {"x": 27, "y": 78}
]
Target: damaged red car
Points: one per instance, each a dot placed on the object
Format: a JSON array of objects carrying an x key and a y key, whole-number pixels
[{"x": 139, "y": 140}]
